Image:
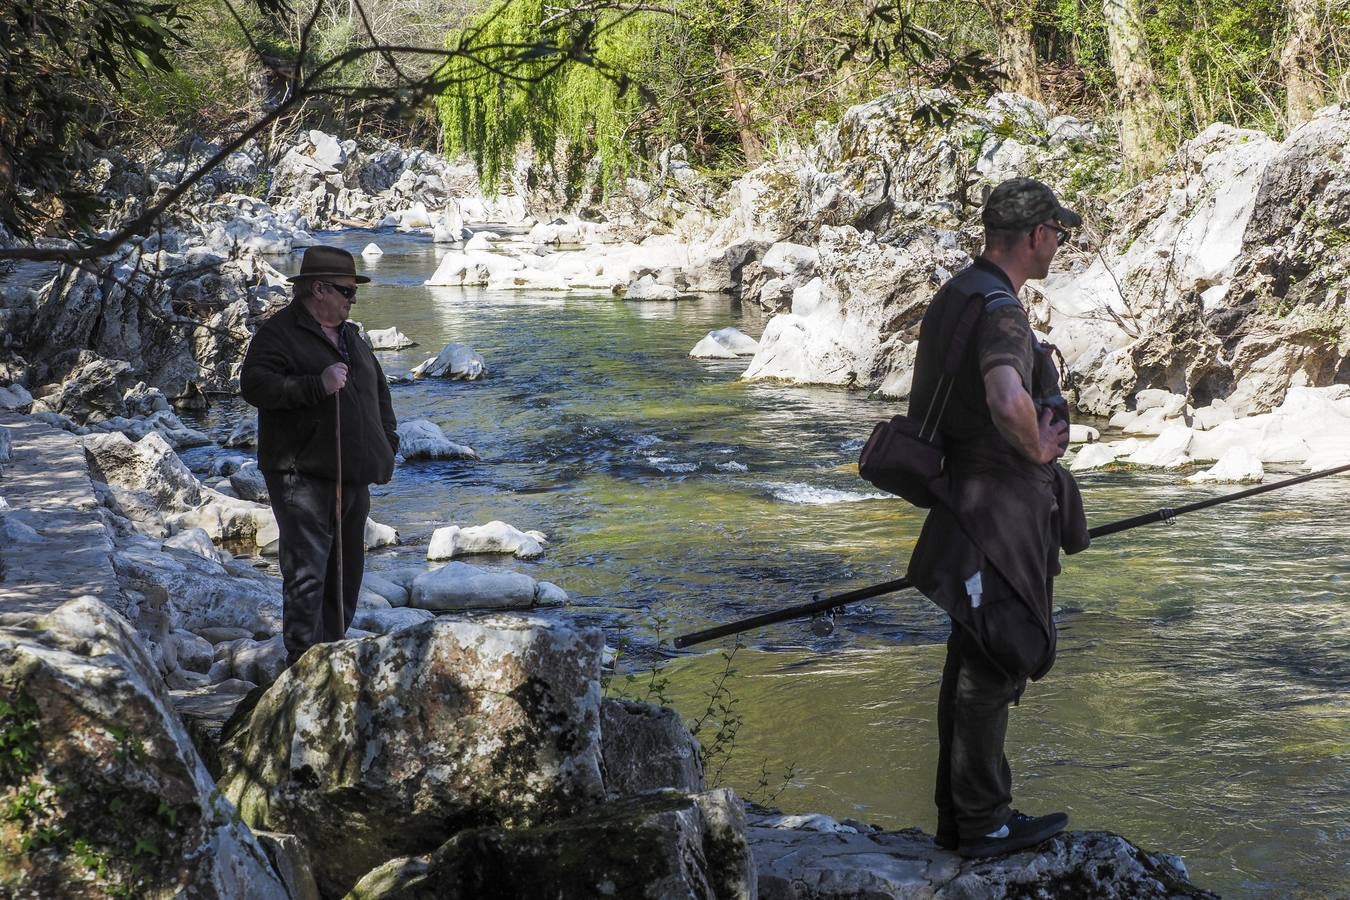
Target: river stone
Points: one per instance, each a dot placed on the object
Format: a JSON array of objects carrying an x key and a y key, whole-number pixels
[
  {"x": 248, "y": 483},
  {"x": 393, "y": 592},
  {"x": 243, "y": 434},
  {"x": 456, "y": 361},
  {"x": 494, "y": 537},
  {"x": 725, "y": 343},
  {"x": 666, "y": 845},
  {"x": 1237, "y": 465},
  {"x": 196, "y": 540},
  {"x": 260, "y": 662},
  {"x": 90, "y": 714},
  {"x": 424, "y": 439},
  {"x": 384, "y": 747},
  {"x": 388, "y": 339},
  {"x": 390, "y": 620},
  {"x": 459, "y": 586},
  {"x": 647, "y": 747}
]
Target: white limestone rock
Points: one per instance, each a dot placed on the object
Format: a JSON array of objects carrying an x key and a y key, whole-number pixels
[
  {"x": 725, "y": 343},
  {"x": 1094, "y": 456},
  {"x": 456, "y": 361},
  {"x": 388, "y": 339},
  {"x": 196, "y": 540},
  {"x": 459, "y": 586},
  {"x": 1238, "y": 465},
  {"x": 378, "y": 535},
  {"x": 1083, "y": 434},
  {"x": 1167, "y": 450},
  {"x": 423, "y": 439},
  {"x": 371, "y": 250},
  {"x": 648, "y": 288},
  {"x": 494, "y": 537}
]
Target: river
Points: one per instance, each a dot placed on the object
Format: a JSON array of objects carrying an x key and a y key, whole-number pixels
[{"x": 1199, "y": 704}]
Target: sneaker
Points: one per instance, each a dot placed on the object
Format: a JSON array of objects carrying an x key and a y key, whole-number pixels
[{"x": 1018, "y": 833}]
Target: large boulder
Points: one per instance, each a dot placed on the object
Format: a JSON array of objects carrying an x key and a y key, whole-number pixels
[
  {"x": 384, "y": 747},
  {"x": 148, "y": 484},
  {"x": 665, "y": 845},
  {"x": 858, "y": 322},
  {"x": 106, "y": 795}
]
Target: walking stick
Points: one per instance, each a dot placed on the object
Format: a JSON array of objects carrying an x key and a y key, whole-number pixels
[
  {"x": 342, "y": 594},
  {"x": 829, "y": 604}
]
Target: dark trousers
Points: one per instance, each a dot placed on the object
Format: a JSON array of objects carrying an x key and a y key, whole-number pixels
[
  {"x": 305, "y": 507},
  {"x": 974, "y": 781}
]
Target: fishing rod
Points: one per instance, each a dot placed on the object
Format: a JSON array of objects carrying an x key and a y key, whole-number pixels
[{"x": 820, "y": 604}]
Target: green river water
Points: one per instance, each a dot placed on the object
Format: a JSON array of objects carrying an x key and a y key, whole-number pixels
[{"x": 1199, "y": 705}]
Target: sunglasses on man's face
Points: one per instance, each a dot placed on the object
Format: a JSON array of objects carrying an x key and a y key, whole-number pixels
[
  {"x": 347, "y": 292},
  {"x": 1062, "y": 235}
]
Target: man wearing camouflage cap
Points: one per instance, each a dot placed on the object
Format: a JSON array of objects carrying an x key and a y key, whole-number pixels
[{"x": 990, "y": 546}]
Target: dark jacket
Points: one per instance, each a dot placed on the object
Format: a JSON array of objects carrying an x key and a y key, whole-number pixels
[{"x": 297, "y": 421}]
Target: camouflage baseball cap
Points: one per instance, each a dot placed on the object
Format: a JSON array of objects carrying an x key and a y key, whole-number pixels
[{"x": 1020, "y": 203}]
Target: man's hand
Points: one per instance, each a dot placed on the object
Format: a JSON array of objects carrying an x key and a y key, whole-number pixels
[
  {"x": 334, "y": 378},
  {"x": 1054, "y": 437},
  {"x": 1036, "y": 437}
]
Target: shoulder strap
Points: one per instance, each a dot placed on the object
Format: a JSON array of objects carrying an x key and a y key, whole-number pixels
[{"x": 993, "y": 295}]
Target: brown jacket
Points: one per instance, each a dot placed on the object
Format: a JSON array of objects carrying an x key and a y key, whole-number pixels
[{"x": 298, "y": 422}]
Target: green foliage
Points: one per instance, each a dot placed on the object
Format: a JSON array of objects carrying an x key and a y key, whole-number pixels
[
  {"x": 67, "y": 65},
  {"x": 540, "y": 101},
  {"x": 19, "y": 738}
]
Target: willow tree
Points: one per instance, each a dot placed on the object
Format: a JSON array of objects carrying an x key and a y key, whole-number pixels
[
  {"x": 1142, "y": 113},
  {"x": 488, "y": 113}
]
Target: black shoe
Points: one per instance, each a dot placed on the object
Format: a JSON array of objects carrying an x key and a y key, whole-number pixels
[
  {"x": 1022, "y": 832},
  {"x": 947, "y": 840}
]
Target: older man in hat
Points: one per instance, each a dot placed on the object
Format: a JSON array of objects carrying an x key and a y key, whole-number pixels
[
  {"x": 326, "y": 432},
  {"x": 990, "y": 546}
]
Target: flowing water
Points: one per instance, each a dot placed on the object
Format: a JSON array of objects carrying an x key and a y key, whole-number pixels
[{"x": 1199, "y": 705}]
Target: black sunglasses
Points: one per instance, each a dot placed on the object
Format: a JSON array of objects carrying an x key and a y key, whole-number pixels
[
  {"x": 348, "y": 292},
  {"x": 1062, "y": 235}
]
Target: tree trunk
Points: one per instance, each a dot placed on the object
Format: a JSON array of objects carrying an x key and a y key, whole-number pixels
[
  {"x": 740, "y": 107},
  {"x": 1016, "y": 51},
  {"x": 1299, "y": 62},
  {"x": 1141, "y": 106}
]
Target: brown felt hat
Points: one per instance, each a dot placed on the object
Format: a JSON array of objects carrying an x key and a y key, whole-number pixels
[{"x": 320, "y": 261}]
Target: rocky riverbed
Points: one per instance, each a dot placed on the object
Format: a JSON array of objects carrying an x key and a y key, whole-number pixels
[{"x": 389, "y": 764}]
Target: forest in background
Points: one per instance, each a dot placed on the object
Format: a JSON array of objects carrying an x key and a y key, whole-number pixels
[{"x": 611, "y": 83}]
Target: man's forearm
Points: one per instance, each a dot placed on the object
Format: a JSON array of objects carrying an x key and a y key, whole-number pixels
[{"x": 1016, "y": 421}]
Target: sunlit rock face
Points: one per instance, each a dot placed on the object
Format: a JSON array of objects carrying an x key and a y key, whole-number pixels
[
  {"x": 383, "y": 747},
  {"x": 105, "y": 788}
]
